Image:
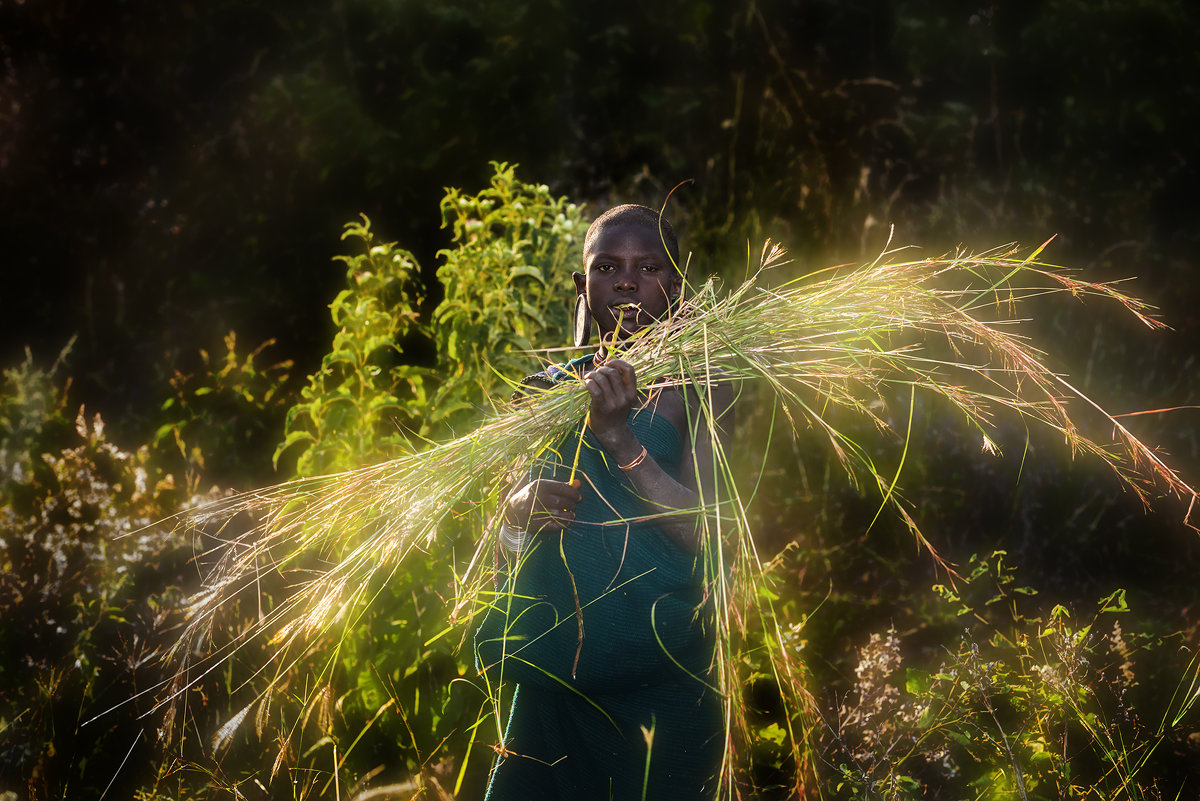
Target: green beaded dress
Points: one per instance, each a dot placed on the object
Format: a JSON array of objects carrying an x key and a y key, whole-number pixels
[{"x": 626, "y": 704}]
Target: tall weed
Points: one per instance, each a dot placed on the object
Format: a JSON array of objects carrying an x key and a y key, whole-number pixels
[{"x": 384, "y": 694}]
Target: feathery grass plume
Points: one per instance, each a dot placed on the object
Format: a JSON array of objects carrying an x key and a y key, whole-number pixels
[{"x": 839, "y": 338}]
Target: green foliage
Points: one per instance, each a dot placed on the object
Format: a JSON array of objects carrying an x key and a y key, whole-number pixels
[
  {"x": 90, "y": 578},
  {"x": 818, "y": 123},
  {"x": 504, "y": 293},
  {"x": 1027, "y": 703},
  {"x": 88, "y": 584},
  {"x": 391, "y": 691},
  {"x": 33, "y": 418},
  {"x": 1068, "y": 539},
  {"x": 357, "y": 406},
  {"x": 219, "y": 419},
  {"x": 397, "y": 677}
]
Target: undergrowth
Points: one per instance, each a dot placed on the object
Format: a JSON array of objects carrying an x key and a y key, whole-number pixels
[{"x": 1010, "y": 682}]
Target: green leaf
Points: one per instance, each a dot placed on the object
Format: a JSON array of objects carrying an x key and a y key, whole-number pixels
[
  {"x": 292, "y": 438},
  {"x": 917, "y": 681},
  {"x": 378, "y": 342},
  {"x": 163, "y": 432},
  {"x": 534, "y": 314},
  {"x": 773, "y": 733},
  {"x": 959, "y": 738},
  {"x": 1115, "y": 603},
  {"x": 526, "y": 271}
]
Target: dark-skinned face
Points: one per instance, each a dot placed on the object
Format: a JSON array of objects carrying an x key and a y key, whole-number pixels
[{"x": 628, "y": 278}]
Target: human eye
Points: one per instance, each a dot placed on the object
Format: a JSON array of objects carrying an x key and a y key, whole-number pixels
[
  {"x": 650, "y": 267},
  {"x": 603, "y": 267}
]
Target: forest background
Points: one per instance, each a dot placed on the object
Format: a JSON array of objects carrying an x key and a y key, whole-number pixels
[{"x": 175, "y": 179}]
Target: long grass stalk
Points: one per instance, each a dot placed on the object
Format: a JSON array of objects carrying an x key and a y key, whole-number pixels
[{"x": 843, "y": 338}]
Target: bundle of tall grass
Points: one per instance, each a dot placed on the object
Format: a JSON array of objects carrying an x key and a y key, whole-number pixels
[{"x": 841, "y": 339}]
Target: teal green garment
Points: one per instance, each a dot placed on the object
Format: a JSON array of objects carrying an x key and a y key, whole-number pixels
[{"x": 644, "y": 659}]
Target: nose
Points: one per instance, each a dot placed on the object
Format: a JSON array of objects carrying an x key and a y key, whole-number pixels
[{"x": 625, "y": 282}]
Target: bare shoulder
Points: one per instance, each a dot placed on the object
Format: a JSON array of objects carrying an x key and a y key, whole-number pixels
[
  {"x": 669, "y": 403},
  {"x": 690, "y": 405}
]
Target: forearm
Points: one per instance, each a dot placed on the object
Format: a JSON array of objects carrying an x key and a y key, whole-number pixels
[
  {"x": 678, "y": 504},
  {"x": 675, "y": 506}
]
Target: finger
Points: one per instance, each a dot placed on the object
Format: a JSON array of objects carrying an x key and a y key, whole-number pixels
[
  {"x": 543, "y": 501},
  {"x": 602, "y": 388},
  {"x": 622, "y": 386},
  {"x": 557, "y": 521},
  {"x": 626, "y": 372},
  {"x": 622, "y": 382},
  {"x": 554, "y": 494},
  {"x": 601, "y": 376},
  {"x": 550, "y": 485},
  {"x": 550, "y": 503},
  {"x": 519, "y": 508},
  {"x": 594, "y": 385},
  {"x": 556, "y": 525},
  {"x": 616, "y": 388},
  {"x": 567, "y": 499}
]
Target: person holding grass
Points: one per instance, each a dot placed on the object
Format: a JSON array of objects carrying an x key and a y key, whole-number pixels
[{"x": 605, "y": 625}]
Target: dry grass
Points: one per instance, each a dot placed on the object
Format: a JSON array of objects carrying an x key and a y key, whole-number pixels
[{"x": 842, "y": 338}]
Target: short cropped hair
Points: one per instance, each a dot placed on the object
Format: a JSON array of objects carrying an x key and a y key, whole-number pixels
[{"x": 634, "y": 214}]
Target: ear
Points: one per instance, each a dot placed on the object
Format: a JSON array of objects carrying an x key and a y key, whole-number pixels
[
  {"x": 676, "y": 286},
  {"x": 580, "y": 283}
]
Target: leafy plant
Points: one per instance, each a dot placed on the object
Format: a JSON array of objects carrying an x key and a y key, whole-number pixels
[
  {"x": 395, "y": 671},
  {"x": 33, "y": 419},
  {"x": 90, "y": 580},
  {"x": 88, "y": 586},
  {"x": 503, "y": 285},
  {"x": 221, "y": 417},
  {"x": 939, "y": 326},
  {"x": 360, "y": 402},
  {"x": 1027, "y": 704}
]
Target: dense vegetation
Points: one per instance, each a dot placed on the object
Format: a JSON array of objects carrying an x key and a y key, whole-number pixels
[{"x": 175, "y": 173}]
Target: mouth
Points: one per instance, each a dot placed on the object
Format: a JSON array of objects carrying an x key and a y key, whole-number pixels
[{"x": 627, "y": 314}]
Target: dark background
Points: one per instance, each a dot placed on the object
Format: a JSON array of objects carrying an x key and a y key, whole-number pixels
[{"x": 174, "y": 171}]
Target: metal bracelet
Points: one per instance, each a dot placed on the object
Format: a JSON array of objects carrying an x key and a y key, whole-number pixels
[
  {"x": 511, "y": 538},
  {"x": 641, "y": 457}
]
